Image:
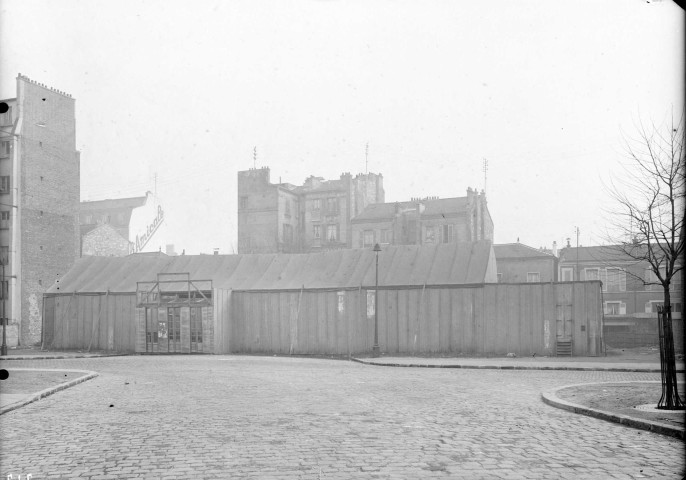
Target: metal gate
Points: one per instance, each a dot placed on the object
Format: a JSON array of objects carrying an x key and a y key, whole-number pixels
[{"x": 173, "y": 312}]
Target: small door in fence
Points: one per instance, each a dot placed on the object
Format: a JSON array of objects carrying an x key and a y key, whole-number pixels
[{"x": 565, "y": 323}]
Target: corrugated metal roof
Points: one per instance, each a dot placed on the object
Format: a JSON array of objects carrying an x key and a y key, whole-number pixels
[{"x": 457, "y": 263}]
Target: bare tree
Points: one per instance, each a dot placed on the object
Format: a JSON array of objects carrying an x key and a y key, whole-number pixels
[{"x": 648, "y": 224}]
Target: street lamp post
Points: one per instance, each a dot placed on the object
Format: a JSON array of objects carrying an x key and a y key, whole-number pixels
[{"x": 375, "y": 347}]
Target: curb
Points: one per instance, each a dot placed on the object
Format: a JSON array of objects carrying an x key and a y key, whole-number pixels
[
  {"x": 59, "y": 357},
  {"x": 550, "y": 397},
  {"x": 512, "y": 367},
  {"x": 48, "y": 391}
]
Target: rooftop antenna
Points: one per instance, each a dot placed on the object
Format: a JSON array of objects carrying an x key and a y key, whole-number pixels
[
  {"x": 485, "y": 167},
  {"x": 254, "y": 157},
  {"x": 366, "y": 158}
]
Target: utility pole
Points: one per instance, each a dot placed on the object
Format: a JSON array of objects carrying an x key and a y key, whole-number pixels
[
  {"x": 485, "y": 168},
  {"x": 578, "y": 273}
]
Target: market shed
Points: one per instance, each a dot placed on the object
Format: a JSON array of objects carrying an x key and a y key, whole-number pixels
[{"x": 440, "y": 298}]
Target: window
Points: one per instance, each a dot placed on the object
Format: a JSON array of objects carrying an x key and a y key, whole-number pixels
[
  {"x": 533, "y": 277},
  {"x": 4, "y": 255},
  {"x": 5, "y": 219},
  {"x": 368, "y": 238},
  {"x": 615, "y": 308},
  {"x": 651, "y": 280},
  {"x": 567, "y": 274},
  {"x": 6, "y": 148},
  {"x": 500, "y": 277},
  {"x": 316, "y": 204},
  {"x": 615, "y": 280},
  {"x": 332, "y": 206},
  {"x": 6, "y": 118},
  {"x": 287, "y": 233},
  {"x": 332, "y": 233},
  {"x": 592, "y": 273},
  {"x": 5, "y": 184},
  {"x": 317, "y": 231},
  {"x": 4, "y": 290},
  {"x": 386, "y": 236},
  {"x": 429, "y": 235},
  {"x": 88, "y": 219},
  {"x": 448, "y": 234},
  {"x": 243, "y": 202},
  {"x": 651, "y": 306},
  {"x": 288, "y": 208}
]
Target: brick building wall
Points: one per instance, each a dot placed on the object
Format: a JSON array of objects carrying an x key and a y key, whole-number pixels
[
  {"x": 257, "y": 212},
  {"x": 287, "y": 218},
  {"x": 517, "y": 270},
  {"x": 104, "y": 241},
  {"x": 48, "y": 197}
]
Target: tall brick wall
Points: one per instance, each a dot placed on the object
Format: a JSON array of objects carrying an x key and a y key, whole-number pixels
[
  {"x": 104, "y": 241},
  {"x": 49, "y": 197},
  {"x": 258, "y": 219}
]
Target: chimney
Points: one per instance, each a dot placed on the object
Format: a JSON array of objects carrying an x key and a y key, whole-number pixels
[
  {"x": 555, "y": 248},
  {"x": 216, "y": 251},
  {"x": 569, "y": 245}
]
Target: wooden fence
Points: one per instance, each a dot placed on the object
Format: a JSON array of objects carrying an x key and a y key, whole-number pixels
[
  {"x": 492, "y": 319},
  {"x": 103, "y": 321}
]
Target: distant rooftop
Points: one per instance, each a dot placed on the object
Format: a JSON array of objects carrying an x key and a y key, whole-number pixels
[
  {"x": 519, "y": 250},
  {"x": 433, "y": 206},
  {"x": 131, "y": 202}
]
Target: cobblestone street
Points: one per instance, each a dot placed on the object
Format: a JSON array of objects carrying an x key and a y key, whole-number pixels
[{"x": 269, "y": 417}]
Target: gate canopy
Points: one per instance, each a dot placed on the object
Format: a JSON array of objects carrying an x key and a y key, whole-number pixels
[{"x": 444, "y": 264}]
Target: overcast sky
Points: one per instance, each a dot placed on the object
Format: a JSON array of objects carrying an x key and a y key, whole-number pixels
[{"x": 545, "y": 90}]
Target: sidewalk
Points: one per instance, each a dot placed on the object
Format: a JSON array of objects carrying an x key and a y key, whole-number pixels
[
  {"x": 38, "y": 354},
  {"x": 617, "y": 360}
]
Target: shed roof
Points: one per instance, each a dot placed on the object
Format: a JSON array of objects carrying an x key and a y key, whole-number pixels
[
  {"x": 457, "y": 263},
  {"x": 519, "y": 250}
]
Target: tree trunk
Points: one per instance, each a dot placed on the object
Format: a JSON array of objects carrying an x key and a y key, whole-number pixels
[{"x": 670, "y": 395}]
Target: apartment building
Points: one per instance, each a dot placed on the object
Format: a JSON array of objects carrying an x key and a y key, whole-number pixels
[{"x": 39, "y": 201}]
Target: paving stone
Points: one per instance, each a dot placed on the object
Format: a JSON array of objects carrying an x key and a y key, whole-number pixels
[{"x": 261, "y": 417}]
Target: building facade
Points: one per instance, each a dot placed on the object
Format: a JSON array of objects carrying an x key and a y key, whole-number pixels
[
  {"x": 518, "y": 263},
  {"x": 297, "y": 219},
  {"x": 630, "y": 295},
  {"x": 117, "y": 227},
  {"x": 115, "y": 213},
  {"x": 39, "y": 197},
  {"x": 425, "y": 221}
]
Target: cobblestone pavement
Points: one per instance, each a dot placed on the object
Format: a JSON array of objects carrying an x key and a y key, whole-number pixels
[{"x": 267, "y": 417}]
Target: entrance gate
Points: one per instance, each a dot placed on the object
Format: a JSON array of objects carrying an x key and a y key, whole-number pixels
[{"x": 174, "y": 306}]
